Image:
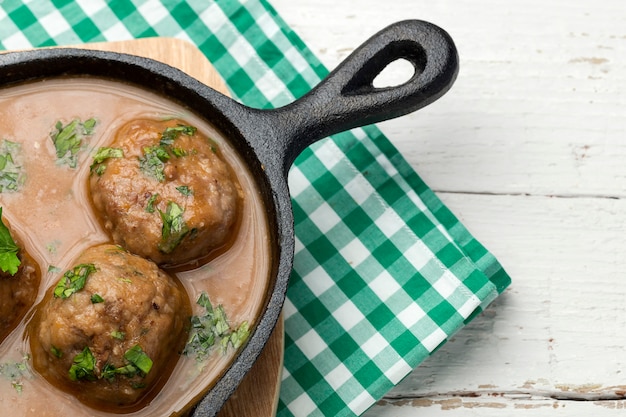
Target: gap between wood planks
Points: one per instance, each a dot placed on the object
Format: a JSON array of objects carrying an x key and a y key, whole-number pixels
[
  {"x": 612, "y": 398},
  {"x": 520, "y": 194}
]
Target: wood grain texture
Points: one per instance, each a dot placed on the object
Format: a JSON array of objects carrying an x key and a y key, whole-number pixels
[
  {"x": 528, "y": 150},
  {"x": 257, "y": 396}
]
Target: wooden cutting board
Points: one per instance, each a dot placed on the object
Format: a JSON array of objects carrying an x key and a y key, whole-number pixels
[{"x": 257, "y": 396}]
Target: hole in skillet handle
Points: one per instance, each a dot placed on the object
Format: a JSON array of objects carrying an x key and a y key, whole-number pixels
[
  {"x": 398, "y": 72},
  {"x": 347, "y": 97},
  {"x": 362, "y": 83}
]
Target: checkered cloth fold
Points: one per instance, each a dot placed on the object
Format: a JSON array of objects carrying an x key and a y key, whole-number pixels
[{"x": 384, "y": 273}]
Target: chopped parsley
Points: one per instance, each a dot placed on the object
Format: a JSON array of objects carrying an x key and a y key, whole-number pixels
[
  {"x": 102, "y": 155},
  {"x": 174, "y": 227},
  {"x": 9, "y": 261},
  {"x": 137, "y": 357},
  {"x": 15, "y": 372},
  {"x": 68, "y": 139},
  {"x": 211, "y": 329},
  {"x": 171, "y": 133},
  {"x": 83, "y": 366},
  {"x": 73, "y": 280},
  {"x": 179, "y": 152},
  {"x": 139, "y": 363},
  {"x": 185, "y": 190},
  {"x": 109, "y": 371},
  {"x": 56, "y": 351},
  {"x": 11, "y": 175},
  {"x": 96, "y": 298},
  {"x": 118, "y": 335},
  {"x": 152, "y": 162},
  {"x": 150, "y": 205}
]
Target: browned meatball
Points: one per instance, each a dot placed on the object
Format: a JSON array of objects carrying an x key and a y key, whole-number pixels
[
  {"x": 164, "y": 192},
  {"x": 19, "y": 290},
  {"x": 111, "y": 330}
]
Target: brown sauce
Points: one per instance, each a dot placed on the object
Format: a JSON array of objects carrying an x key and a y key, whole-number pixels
[{"x": 54, "y": 219}]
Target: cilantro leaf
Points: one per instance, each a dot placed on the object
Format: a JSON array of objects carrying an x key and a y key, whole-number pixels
[
  {"x": 150, "y": 204},
  {"x": 11, "y": 174},
  {"x": 96, "y": 298},
  {"x": 116, "y": 334},
  {"x": 152, "y": 163},
  {"x": 138, "y": 364},
  {"x": 174, "y": 227},
  {"x": 68, "y": 139},
  {"x": 171, "y": 133},
  {"x": 83, "y": 366},
  {"x": 16, "y": 372},
  {"x": 73, "y": 280},
  {"x": 56, "y": 351},
  {"x": 9, "y": 261},
  {"x": 212, "y": 329},
  {"x": 102, "y": 155},
  {"x": 137, "y": 357},
  {"x": 185, "y": 190},
  {"x": 239, "y": 336}
]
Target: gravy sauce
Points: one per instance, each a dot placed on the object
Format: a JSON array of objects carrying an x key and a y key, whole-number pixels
[{"x": 53, "y": 216}]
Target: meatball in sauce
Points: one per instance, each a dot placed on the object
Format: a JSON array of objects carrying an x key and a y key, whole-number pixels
[
  {"x": 163, "y": 192},
  {"x": 111, "y": 328},
  {"x": 19, "y": 284}
]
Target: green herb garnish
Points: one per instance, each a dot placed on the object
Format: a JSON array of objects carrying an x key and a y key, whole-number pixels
[
  {"x": 152, "y": 163},
  {"x": 56, "y": 351},
  {"x": 96, "y": 298},
  {"x": 118, "y": 335},
  {"x": 139, "y": 363},
  {"x": 171, "y": 133},
  {"x": 174, "y": 227},
  {"x": 211, "y": 329},
  {"x": 185, "y": 190},
  {"x": 239, "y": 336},
  {"x": 137, "y": 357},
  {"x": 110, "y": 371},
  {"x": 15, "y": 372},
  {"x": 9, "y": 261},
  {"x": 150, "y": 205},
  {"x": 102, "y": 155},
  {"x": 11, "y": 176},
  {"x": 73, "y": 280},
  {"x": 68, "y": 139},
  {"x": 83, "y": 366},
  {"x": 179, "y": 152}
]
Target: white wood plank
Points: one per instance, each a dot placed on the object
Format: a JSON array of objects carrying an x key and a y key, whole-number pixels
[
  {"x": 495, "y": 405},
  {"x": 537, "y": 107}
]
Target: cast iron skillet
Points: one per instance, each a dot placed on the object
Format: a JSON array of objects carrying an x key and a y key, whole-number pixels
[{"x": 270, "y": 140}]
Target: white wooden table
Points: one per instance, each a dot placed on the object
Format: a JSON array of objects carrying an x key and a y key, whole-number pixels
[{"x": 529, "y": 150}]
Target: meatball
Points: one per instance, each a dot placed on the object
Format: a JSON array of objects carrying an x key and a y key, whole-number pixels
[
  {"x": 19, "y": 289},
  {"x": 111, "y": 330},
  {"x": 163, "y": 191}
]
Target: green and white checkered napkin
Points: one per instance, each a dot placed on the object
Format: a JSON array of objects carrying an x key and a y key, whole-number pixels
[{"x": 383, "y": 273}]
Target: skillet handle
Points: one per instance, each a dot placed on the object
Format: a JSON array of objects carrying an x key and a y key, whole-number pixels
[{"x": 347, "y": 98}]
